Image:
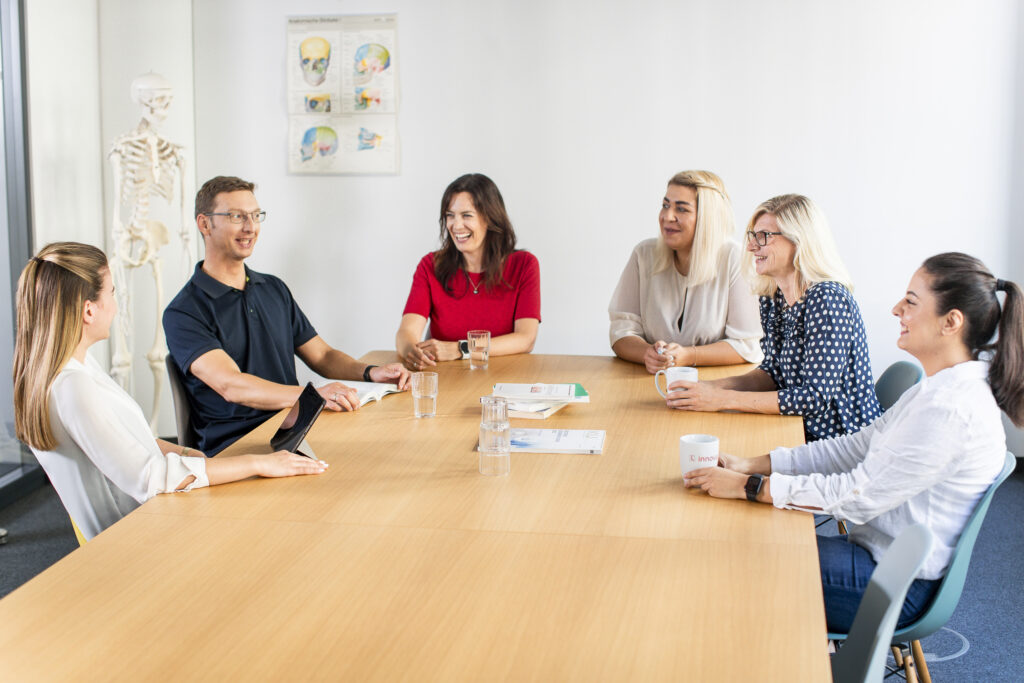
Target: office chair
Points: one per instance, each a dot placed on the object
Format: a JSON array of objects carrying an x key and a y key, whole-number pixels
[
  {"x": 948, "y": 595},
  {"x": 862, "y": 657},
  {"x": 182, "y": 409},
  {"x": 896, "y": 379}
]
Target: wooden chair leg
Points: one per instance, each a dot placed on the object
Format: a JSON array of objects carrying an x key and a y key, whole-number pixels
[
  {"x": 909, "y": 669},
  {"x": 841, "y": 525},
  {"x": 897, "y": 654},
  {"x": 919, "y": 662}
]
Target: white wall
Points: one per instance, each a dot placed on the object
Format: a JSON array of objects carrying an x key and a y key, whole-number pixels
[
  {"x": 82, "y": 57},
  {"x": 138, "y": 36},
  {"x": 895, "y": 117}
]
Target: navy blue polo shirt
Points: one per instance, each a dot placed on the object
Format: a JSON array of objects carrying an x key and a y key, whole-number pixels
[{"x": 259, "y": 327}]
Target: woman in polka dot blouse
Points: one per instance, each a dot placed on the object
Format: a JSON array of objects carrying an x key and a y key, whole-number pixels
[{"x": 816, "y": 354}]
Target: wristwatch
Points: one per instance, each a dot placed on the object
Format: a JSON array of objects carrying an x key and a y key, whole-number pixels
[
  {"x": 464, "y": 348},
  {"x": 753, "y": 487}
]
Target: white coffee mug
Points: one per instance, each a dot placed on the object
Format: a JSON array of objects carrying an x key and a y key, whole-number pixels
[
  {"x": 697, "y": 451},
  {"x": 672, "y": 375}
]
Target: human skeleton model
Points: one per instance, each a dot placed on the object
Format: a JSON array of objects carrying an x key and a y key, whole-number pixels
[{"x": 145, "y": 164}]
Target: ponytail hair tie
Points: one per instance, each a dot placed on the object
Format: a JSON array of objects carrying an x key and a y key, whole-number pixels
[{"x": 1000, "y": 285}]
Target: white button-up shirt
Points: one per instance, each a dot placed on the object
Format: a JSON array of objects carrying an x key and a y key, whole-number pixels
[
  {"x": 928, "y": 459},
  {"x": 106, "y": 461}
]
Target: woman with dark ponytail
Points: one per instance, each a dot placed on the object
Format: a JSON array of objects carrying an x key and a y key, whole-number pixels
[{"x": 928, "y": 459}]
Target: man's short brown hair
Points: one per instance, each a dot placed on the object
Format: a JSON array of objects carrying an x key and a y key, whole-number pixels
[{"x": 214, "y": 186}]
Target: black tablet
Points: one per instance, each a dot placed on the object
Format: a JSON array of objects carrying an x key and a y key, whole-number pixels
[{"x": 297, "y": 422}]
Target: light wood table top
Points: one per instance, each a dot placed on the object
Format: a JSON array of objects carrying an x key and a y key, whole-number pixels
[{"x": 403, "y": 562}]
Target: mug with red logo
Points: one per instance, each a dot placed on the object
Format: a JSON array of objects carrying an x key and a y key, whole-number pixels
[{"x": 697, "y": 451}]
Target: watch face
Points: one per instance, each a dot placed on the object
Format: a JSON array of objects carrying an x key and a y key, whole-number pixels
[{"x": 464, "y": 346}]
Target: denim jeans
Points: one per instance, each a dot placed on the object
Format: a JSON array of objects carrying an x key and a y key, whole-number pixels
[{"x": 845, "y": 571}]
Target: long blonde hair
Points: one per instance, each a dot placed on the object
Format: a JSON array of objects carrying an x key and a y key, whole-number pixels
[
  {"x": 52, "y": 292},
  {"x": 715, "y": 225},
  {"x": 817, "y": 256}
]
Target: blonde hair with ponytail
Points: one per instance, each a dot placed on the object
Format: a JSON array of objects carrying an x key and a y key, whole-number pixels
[{"x": 52, "y": 292}]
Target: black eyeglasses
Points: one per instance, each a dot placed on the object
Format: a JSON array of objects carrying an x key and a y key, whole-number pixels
[
  {"x": 240, "y": 216},
  {"x": 761, "y": 236}
]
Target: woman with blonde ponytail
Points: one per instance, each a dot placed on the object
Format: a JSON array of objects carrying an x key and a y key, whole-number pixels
[
  {"x": 88, "y": 434},
  {"x": 926, "y": 460}
]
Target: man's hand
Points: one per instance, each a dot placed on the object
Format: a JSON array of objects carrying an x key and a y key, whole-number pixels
[
  {"x": 391, "y": 373},
  {"x": 339, "y": 397}
]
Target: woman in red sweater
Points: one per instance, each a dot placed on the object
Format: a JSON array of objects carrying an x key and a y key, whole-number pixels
[{"x": 477, "y": 280}]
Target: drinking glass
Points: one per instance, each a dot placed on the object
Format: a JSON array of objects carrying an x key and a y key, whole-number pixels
[
  {"x": 479, "y": 348},
  {"x": 495, "y": 447},
  {"x": 424, "y": 394}
]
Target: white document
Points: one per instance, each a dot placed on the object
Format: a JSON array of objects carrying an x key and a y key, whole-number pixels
[
  {"x": 550, "y": 393},
  {"x": 590, "y": 441}
]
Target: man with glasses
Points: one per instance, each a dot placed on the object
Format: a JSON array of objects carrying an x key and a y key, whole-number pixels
[{"x": 234, "y": 332}]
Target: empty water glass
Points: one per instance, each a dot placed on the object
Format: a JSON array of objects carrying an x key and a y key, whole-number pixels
[
  {"x": 424, "y": 394},
  {"x": 495, "y": 447}
]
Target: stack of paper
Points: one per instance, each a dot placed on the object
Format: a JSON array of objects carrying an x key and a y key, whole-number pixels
[{"x": 557, "y": 440}]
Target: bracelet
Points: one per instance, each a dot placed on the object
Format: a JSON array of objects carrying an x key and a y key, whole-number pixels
[
  {"x": 184, "y": 451},
  {"x": 366, "y": 373},
  {"x": 694, "y": 356}
]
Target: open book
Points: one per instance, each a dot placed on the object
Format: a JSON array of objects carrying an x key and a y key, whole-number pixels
[
  {"x": 547, "y": 393},
  {"x": 367, "y": 391}
]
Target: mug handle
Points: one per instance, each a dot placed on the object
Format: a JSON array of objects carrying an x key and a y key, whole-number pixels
[{"x": 658, "y": 386}]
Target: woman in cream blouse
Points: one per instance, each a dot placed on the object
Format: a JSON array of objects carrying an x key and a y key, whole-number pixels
[
  {"x": 681, "y": 299},
  {"x": 89, "y": 435}
]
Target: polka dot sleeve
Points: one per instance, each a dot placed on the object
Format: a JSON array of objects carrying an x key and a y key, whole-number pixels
[{"x": 829, "y": 334}]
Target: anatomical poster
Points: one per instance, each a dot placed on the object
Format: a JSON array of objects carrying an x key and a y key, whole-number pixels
[{"x": 343, "y": 95}]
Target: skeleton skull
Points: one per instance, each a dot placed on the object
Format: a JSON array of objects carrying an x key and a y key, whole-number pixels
[
  {"x": 320, "y": 139},
  {"x": 154, "y": 94},
  {"x": 315, "y": 54}
]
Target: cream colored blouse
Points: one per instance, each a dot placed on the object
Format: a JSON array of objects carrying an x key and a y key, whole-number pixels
[
  {"x": 649, "y": 305},
  {"x": 106, "y": 462}
]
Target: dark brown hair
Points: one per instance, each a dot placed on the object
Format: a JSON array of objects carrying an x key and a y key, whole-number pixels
[
  {"x": 214, "y": 186},
  {"x": 963, "y": 283},
  {"x": 499, "y": 242}
]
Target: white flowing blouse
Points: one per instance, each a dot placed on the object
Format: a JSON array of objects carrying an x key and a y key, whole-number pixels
[
  {"x": 928, "y": 459},
  {"x": 648, "y": 304},
  {"x": 107, "y": 461}
]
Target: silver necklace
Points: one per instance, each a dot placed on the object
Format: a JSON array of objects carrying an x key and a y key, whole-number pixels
[{"x": 476, "y": 288}]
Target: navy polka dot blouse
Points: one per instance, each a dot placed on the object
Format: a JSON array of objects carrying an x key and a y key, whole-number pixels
[{"x": 816, "y": 352}]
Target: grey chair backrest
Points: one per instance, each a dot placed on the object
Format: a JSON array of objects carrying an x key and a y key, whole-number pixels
[
  {"x": 862, "y": 656},
  {"x": 182, "y": 409},
  {"x": 896, "y": 379}
]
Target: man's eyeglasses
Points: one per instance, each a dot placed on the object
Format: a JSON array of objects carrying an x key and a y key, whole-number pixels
[
  {"x": 760, "y": 237},
  {"x": 240, "y": 216}
]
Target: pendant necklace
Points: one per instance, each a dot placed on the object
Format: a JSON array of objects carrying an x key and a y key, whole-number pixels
[{"x": 476, "y": 288}]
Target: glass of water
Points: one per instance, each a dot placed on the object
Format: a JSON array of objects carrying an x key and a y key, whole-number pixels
[
  {"x": 479, "y": 348},
  {"x": 424, "y": 394},
  {"x": 495, "y": 448}
]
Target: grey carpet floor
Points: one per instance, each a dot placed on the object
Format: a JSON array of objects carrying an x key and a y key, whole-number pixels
[{"x": 976, "y": 647}]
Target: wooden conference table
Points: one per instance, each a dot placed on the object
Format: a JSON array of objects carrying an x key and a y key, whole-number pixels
[{"x": 403, "y": 562}]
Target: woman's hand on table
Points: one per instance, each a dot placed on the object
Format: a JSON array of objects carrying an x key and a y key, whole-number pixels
[
  {"x": 670, "y": 354},
  {"x": 718, "y": 482},
  {"x": 287, "y": 464},
  {"x": 441, "y": 350},
  {"x": 700, "y": 396}
]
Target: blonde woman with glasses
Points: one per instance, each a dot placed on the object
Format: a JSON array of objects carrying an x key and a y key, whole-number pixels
[
  {"x": 682, "y": 299},
  {"x": 816, "y": 360},
  {"x": 89, "y": 435}
]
